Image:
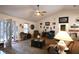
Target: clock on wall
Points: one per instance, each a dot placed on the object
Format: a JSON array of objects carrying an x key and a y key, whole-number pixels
[{"x": 32, "y": 26}]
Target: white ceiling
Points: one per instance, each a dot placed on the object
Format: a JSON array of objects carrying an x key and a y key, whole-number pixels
[{"x": 27, "y": 11}]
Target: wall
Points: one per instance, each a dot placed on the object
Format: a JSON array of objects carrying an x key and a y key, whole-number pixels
[
  {"x": 18, "y": 22},
  {"x": 73, "y": 15}
]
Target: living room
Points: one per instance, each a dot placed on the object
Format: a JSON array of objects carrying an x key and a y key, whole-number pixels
[{"x": 44, "y": 27}]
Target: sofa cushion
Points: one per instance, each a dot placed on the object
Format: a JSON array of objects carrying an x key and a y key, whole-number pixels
[{"x": 74, "y": 47}]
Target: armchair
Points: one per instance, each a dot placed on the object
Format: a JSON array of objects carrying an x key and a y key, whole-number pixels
[{"x": 36, "y": 33}]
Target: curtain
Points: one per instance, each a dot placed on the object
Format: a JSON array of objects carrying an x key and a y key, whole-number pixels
[{"x": 7, "y": 31}]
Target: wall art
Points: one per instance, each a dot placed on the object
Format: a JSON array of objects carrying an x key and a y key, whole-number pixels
[
  {"x": 47, "y": 23},
  {"x": 63, "y": 19},
  {"x": 40, "y": 23},
  {"x": 53, "y": 23},
  {"x": 63, "y": 27},
  {"x": 32, "y": 26}
]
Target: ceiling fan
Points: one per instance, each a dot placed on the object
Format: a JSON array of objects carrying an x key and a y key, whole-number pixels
[{"x": 38, "y": 12}]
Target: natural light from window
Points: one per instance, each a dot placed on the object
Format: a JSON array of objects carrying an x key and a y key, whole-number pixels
[{"x": 26, "y": 28}]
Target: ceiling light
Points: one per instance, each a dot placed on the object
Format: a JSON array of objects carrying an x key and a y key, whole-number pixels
[{"x": 38, "y": 12}]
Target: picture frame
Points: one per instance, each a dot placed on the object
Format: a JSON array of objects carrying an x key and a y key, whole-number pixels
[
  {"x": 32, "y": 26},
  {"x": 50, "y": 28},
  {"x": 53, "y": 27},
  {"x": 40, "y": 26},
  {"x": 63, "y": 19},
  {"x": 47, "y": 23},
  {"x": 53, "y": 23},
  {"x": 44, "y": 27},
  {"x": 47, "y": 27},
  {"x": 77, "y": 20},
  {"x": 40, "y": 23},
  {"x": 21, "y": 26},
  {"x": 63, "y": 27},
  {"x": 45, "y": 30}
]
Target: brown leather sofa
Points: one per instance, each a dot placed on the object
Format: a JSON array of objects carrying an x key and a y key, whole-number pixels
[{"x": 74, "y": 47}]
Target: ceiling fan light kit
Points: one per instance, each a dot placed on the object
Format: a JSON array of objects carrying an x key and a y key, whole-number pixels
[{"x": 38, "y": 12}]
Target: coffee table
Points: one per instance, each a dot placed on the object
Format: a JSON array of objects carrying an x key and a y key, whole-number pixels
[{"x": 37, "y": 43}]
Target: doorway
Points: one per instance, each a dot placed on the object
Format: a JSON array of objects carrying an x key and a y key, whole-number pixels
[{"x": 26, "y": 28}]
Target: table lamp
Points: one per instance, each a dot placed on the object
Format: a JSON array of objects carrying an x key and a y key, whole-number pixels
[
  {"x": 63, "y": 36},
  {"x": 38, "y": 36}
]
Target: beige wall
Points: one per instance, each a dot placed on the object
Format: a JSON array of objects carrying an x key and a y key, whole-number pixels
[
  {"x": 18, "y": 22},
  {"x": 73, "y": 15}
]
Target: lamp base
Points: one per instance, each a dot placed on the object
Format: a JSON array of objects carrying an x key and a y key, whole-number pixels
[{"x": 67, "y": 51}]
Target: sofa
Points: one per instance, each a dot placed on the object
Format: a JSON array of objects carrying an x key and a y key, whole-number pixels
[
  {"x": 25, "y": 36},
  {"x": 73, "y": 48},
  {"x": 49, "y": 34}
]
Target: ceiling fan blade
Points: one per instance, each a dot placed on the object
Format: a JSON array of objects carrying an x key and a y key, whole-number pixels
[
  {"x": 38, "y": 12},
  {"x": 44, "y": 12}
]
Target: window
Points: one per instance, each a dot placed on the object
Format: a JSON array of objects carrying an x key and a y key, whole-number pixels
[{"x": 26, "y": 28}]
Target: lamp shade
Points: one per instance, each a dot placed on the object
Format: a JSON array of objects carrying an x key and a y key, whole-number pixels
[
  {"x": 62, "y": 43},
  {"x": 63, "y": 35}
]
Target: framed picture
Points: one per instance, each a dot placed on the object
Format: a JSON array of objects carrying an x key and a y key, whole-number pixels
[
  {"x": 63, "y": 27},
  {"x": 47, "y": 23},
  {"x": 32, "y": 26},
  {"x": 40, "y": 23},
  {"x": 44, "y": 27},
  {"x": 77, "y": 20},
  {"x": 50, "y": 28},
  {"x": 53, "y": 27},
  {"x": 21, "y": 26},
  {"x": 47, "y": 27},
  {"x": 45, "y": 30},
  {"x": 63, "y": 19},
  {"x": 40, "y": 26},
  {"x": 53, "y": 23}
]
